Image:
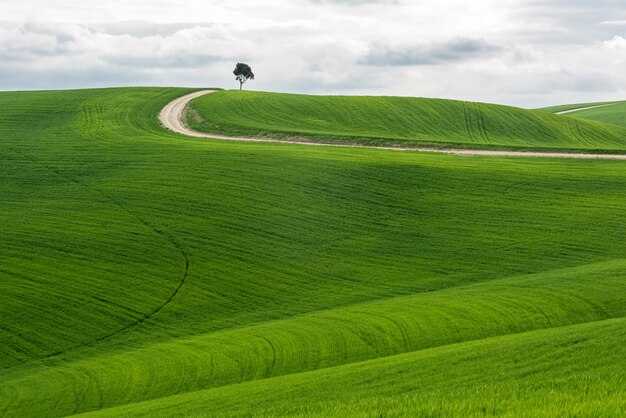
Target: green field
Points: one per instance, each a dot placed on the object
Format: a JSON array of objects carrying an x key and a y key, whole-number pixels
[
  {"x": 398, "y": 121},
  {"x": 573, "y": 106},
  {"x": 143, "y": 273},
  {"x": 614, "y": 113}
]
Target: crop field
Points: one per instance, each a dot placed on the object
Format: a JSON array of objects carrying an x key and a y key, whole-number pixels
[
  {"x": 399, "y": 121},
  {"x": 574, "y": 106},
  {"x": 611, "y": 112},
  {"x": 144, "y": 273}
]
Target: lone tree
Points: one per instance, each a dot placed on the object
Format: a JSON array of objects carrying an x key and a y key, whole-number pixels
[{"x": 243, "y": 73}]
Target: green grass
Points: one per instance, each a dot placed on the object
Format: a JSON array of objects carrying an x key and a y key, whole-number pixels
[
  {"x": 614, "y": 114},
  {"x": 573, "y": 106},
  {"x": 555, "y": 372},
  {"x": 398, "y": 121},
  {"x": 165, "y": 275}
]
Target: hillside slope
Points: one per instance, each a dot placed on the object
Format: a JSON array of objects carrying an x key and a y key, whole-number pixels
[
  {"x": 573, "y": 107},
  {"x": 398, "y": 120},
  {"x": 422, "y": 383},
  {"x": 614, "y": 113},
  {"x": 143, "y": 270}
]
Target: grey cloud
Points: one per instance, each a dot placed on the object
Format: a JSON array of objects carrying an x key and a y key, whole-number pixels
[
  {"x": 614, "y": 23},
  {"x": 170, "y": 46},
  {"x": 17, "y": 78},
  {"x": 143, "y": 29},
  {"x": 585, "y": 83},
  {"x": 522, "y": 52},
  {"x": 567, "y": 21},
  {"x": 52, "y": 55},
  {"x": 166, "y": 62},
  {"x": 355, "y": 2},
  {"x": 553, "y": 83},
  {"x": 454, "y": 50}
]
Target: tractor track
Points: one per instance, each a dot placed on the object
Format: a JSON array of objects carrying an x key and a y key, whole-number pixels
[{"x": 153, "y": 228}]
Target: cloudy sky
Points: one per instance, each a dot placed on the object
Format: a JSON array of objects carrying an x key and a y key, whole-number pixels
[{"x": 519, "y": 52}]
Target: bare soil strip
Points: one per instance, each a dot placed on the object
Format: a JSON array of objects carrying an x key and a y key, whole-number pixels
[
  {"x": 173, "y": 115},
  {"x": 564, "y": 112}
]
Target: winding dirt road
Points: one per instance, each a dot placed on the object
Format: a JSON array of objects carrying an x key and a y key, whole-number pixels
[{"x": 173, "y": 114}]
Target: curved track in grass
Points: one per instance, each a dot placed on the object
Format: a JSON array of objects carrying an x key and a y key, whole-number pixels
[
  {"x": 580, "y": 109},
  {"x": 146, "y": 316},
  {"x": 172, "y": 117}
]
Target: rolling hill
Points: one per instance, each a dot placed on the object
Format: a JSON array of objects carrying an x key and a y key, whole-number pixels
[
  {"x": 398, "y": 121},
  {"x": 611, "y": 112},
  {"x": 144, "y": 273}
]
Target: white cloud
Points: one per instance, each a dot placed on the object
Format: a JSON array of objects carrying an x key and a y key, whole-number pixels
[
  {"x": 614, "y": 23},
  {"x": 524, "y": 52},
  {"x": 616, "y": 43}
]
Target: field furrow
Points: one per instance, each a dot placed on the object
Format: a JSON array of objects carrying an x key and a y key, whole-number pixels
[
  {"x": 535, "y": 374},
  {"x": 146, "y": 273}
]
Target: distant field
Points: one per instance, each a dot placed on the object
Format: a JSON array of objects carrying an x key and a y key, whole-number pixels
[
  {"x": 614, "y": 114},
  {"x": 143, "y": 273},
  {"x": 399, "y": 121},
  {"x": 573, "y": 106}
]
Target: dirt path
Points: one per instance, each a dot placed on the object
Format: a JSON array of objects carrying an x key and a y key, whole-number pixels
[
  {"x": 172, "y": 117},
  {"x": 579, "y": 109}
]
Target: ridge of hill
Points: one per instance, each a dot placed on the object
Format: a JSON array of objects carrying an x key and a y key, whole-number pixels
[
  {"x": 613, "y": 113},
  {"x": 398, "y": 121}
]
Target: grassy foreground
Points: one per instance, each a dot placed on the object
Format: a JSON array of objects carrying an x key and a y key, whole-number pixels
[
  {"x": 143, "y": 273},
  {"x": 573, "y": 369},
  {"x": 398, "y": 121}
]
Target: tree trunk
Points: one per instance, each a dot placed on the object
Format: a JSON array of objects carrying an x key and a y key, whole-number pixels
[{"x": 240, "y": 85}]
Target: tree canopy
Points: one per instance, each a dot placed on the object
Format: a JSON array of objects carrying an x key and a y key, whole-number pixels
[{"x": 243, "y": 73}]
